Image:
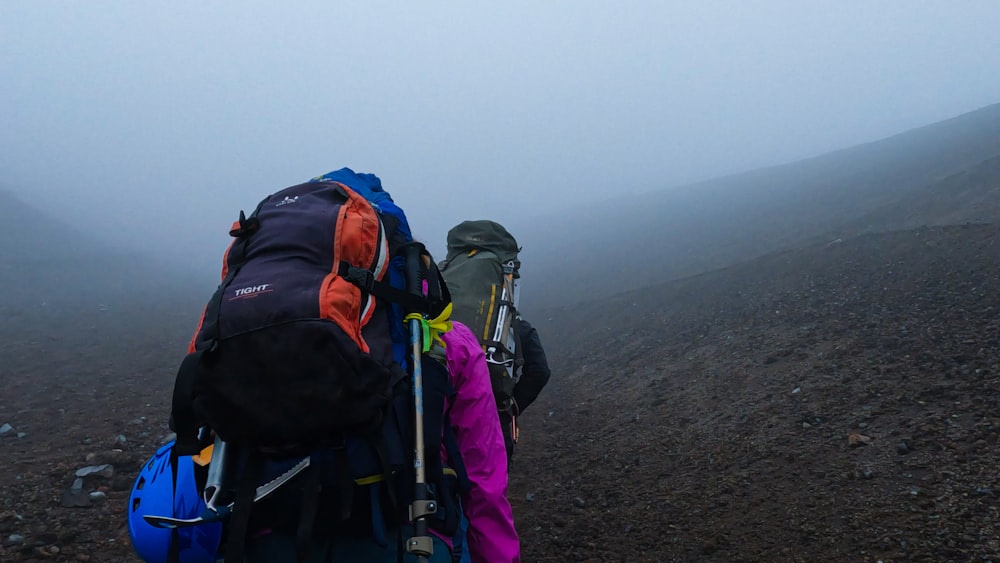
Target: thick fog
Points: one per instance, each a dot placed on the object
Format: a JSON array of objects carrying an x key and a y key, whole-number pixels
[{"x": 153, "y": 125}]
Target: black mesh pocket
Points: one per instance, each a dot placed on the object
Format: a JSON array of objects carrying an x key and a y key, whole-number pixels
[{"x": 299, "y": 383}]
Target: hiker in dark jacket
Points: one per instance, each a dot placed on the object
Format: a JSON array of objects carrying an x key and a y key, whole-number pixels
[
  {"x": 482, "y": 273},
  {"x": 535, "y": 375},
  {"x": 481, "y": 270}
]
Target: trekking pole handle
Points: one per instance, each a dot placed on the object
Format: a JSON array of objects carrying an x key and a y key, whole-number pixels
[{"x": 413, "y": 254}]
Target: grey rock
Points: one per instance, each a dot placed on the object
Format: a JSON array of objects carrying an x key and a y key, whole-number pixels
[
  {"x": 75, "y": 498},
  {"x": 6, "y": 430},
  {"x": 13, "y": 539},
  {"x": 579, "y": 502},
  {"x": 97, "y": 496},
  {"x": 106, "y": 471}
]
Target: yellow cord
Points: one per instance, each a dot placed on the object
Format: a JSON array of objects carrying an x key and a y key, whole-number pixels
[{"x": 434, "y": 328}]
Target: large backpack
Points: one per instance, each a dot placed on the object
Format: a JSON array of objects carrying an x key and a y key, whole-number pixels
[
  {"x": 482, "y": 271},
  {"x": 299, "y": 364}
]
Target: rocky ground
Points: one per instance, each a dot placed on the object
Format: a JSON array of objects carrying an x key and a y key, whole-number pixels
[
  {"x": 86, "y": 391},
  {"x": 837, "y": 403}
]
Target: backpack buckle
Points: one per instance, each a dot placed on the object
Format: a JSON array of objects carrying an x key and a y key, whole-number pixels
[{"x": 360, "y": 277}]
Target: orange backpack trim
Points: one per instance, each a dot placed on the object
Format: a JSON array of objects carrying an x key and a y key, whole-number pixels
[{"x": 359, "y": 240}]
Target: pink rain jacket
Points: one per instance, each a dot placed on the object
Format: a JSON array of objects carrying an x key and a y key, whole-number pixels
[{"x": 491, "y": 535}]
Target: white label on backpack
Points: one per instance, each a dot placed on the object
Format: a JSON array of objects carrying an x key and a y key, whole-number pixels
[
  {"x": 252, "y": 291},
  {"x": 286, "y": 201}
]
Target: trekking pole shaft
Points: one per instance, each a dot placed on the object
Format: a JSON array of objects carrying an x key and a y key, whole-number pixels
[
  {"x": 418, "y": 400},
  {"x": 501, "y": 316},
  {"x": 421, "y": 544},
  {"x": 217, "y": 472},
  {"x": 414, "y": 284}
]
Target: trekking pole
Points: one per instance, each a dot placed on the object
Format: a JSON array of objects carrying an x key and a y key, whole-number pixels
[
  {"x": 504, "y": 331},
  {"x": 218, "y": 470},
  {"x": 421, "y": 544}
]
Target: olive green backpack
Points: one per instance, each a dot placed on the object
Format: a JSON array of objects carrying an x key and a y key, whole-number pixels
[{"x": 481, "y": 271}]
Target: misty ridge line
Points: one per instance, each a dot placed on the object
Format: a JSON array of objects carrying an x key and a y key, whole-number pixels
[
  {"x": 681, "y": 232},
  {"x": 636, "y": 240}
]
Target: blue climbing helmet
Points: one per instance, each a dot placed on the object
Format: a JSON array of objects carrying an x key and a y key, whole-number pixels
[{"x": 166, "y": 487}]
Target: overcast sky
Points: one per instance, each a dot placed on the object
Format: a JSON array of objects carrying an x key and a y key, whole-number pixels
[{"x": 165, "y": 119}]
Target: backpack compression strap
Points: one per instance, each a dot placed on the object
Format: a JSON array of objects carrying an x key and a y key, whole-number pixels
[{"x": 432, "y": 304}]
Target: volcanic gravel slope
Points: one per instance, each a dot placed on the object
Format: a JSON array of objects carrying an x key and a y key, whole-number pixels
[
  {"x": 834, "y": 403},
  {"x": 837, "y": 403}
]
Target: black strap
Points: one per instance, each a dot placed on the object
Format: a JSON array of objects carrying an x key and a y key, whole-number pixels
[
  {"x": 239, "y": 520},
  {"x": 519, "y": 348},
  {"x": 390, "y": 485},
  {"x": 183, "y": 419},
  {"x": 174, "y": 550},
  {"x": 247, "y": 226},
  {"x": 307, "y": 515},
  {"x": 455, "y": 458},
  {"x": 345, "y": 483},
  {"x": 400, "y": 548},
  {"x": 391, "y": 225},
  {"x": 365, "y": 280},
  {"x": 378, "y": 516}
]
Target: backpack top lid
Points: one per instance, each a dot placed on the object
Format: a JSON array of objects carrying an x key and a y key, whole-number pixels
[
  {"x": 482, "y": 234},
  {"x": 369, "y": 186}
]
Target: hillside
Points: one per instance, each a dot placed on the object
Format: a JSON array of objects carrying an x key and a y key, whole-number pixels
[
  {"x": 705, "y": 419},
  {"x": 47, "y": 262},
  {"x": 77, "y": 320},
  {"x": 625, "y": 243},
  {"x": 968, "y": 196},
  {"x": 835, "y": 403}
]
